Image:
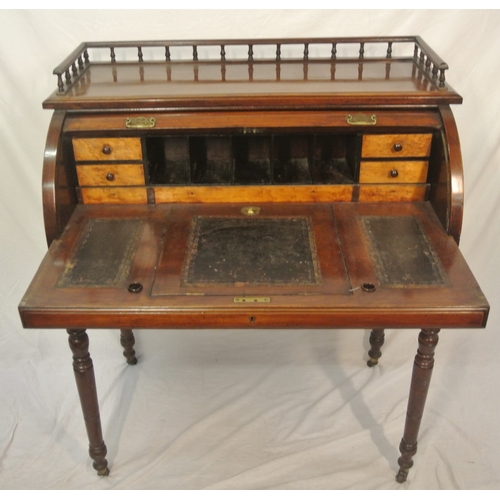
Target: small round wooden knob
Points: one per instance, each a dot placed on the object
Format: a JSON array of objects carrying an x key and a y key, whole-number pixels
[
  {"x": 106, "y": 149},
  {"x": 110, "y": 176},
  {"x": 394, "y": 173},
  {"x": 397, "y": 147}
]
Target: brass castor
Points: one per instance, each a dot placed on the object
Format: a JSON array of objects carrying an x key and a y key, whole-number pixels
[
  {"x": 103, "y": 472},
  {"x": 402, "y": 475}
]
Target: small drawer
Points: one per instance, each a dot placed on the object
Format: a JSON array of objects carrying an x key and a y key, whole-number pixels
[
  {"x": 118, "y": 195},
  {"x": 383, "y": 172},
  {"x": 390, "y": 192},
  {"x": 396, "y": 145},
  {"x": 113, "y": 174},
  {"x": 107, "y": 148}
]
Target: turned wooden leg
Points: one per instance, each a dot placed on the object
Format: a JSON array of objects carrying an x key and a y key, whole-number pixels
[
  {"x": 422, "y": 371},
  {"x": 377, "y": 337},
  {"x": 85, "y": 382},
  {"x": 127, "y": 341}
]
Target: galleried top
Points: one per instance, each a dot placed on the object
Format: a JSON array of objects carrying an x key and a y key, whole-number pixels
[{"x": 316, "y": 72}]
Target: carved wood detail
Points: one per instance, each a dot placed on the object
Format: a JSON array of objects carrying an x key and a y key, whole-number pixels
[
  {"x": 85, "y": 382},
  {"x": 377, "y": 338},
  {"x": 422, "y": 371},
  {"x": 127, "y": 341}
]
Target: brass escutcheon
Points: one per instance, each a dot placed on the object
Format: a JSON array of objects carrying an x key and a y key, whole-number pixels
[
  {"x": 361, "y": 119},
  {"x": 240, "y": 300},
  {"x": 140, "y": 122},
  {"x": 250, "y": 211}
]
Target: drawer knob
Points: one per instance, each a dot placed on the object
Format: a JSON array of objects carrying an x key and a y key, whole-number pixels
[
  {"x": 106, "y": 149},
  {"x": 397, "y": 147},
  {"x": 110, "y": 176},
  {"x": 394, "y": 173}
]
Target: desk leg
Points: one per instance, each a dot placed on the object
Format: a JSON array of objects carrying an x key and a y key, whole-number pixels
[
  {"x": 127, "y": 341},
  {"x": 422, "y": 371},
  {"x": 377, "y": 337},
  {"x": 85, "y": 381}
]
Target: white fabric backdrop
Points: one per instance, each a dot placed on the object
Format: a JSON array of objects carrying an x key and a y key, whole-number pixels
[{"x": 244, "y": 409}]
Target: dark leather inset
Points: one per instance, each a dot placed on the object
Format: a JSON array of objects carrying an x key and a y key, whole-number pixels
[
  {"x": 230, "y": 250},
  {"x": 103, "y": 254},
  {"x": 402, "y": 254}
]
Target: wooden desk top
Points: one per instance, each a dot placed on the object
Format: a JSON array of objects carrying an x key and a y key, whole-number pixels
[
  {"x": 341, "y": 248},
  {"x": 239, "y": 73}
]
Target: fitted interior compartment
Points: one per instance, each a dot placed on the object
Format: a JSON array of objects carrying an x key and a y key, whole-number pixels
[
  {"x": 171, "y": 159},
  {"x": 252, "y": 159},
  {"x": 211, "y": 160},
  {"x": 335, "y": 159},
  {"x": 252, "y": 156},
  {"x": 292, "y": 159}
]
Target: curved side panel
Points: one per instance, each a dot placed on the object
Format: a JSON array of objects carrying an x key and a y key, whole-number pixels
[
  {"x": 446, "y": 175},
  {"x": 456, "y": 175},
  {"x": 58, "y": 193}
]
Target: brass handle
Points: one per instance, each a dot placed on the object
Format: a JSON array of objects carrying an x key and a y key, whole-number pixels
[
  {"x": 361, "y": 119},
  {"x": 110, "y": 176},
  {"x": 394, "y": 173},
  {"x": 397, "y": 147},
  {"x": 140, "y": 122},
  {"x": 107, "y": 149}
]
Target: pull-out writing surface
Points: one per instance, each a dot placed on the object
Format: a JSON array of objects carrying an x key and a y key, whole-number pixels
[{"x": 309, "y": 265}]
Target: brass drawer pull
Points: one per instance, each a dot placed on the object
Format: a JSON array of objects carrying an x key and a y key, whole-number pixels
[
  {"x": 140, "y": 122},
  {"x": 361, "y": 119}
]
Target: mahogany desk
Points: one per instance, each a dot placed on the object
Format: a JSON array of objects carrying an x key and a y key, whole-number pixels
[{"x": 253, "y": 184}]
